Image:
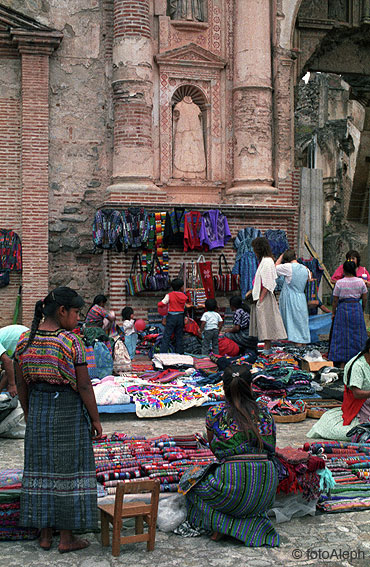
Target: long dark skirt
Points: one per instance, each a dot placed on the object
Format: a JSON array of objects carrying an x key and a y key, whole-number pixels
[
  {"x": 59, "y": 479},
  {"x": 233, "y": 499},
  {"x": 349, "y": 331}
]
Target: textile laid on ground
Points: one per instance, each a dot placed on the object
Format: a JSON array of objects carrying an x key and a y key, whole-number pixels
[
  {"x": 349, "y": 466},
  {"x": 122, "y": 458},
  {"x": 10, "y": 487}
]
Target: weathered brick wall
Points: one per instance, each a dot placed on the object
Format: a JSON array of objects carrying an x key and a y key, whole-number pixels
[{"x": 10, "y": 147}]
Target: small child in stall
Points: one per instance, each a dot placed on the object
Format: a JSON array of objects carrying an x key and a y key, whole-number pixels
[
  {"x": 129, "y": 330},
  {"x": 210, "y": 327},
  {"x": 177, "y": 300}
]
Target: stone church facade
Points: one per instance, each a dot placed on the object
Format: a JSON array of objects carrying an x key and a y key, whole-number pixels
[{"x": 152, "y": 103}]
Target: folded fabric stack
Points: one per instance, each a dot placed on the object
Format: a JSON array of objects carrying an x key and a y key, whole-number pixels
[
  {"x": 165, "y": 458},
  {"x": 277, "y": 375},
  {"x": 10, "y": 487},
  {"x": 302, "y": 472},
  {"x": 282, "y": 406},
  {"x": 349, "y": 465}
]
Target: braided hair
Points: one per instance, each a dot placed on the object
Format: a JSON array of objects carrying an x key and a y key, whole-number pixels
[
  {"x": 242, "y": 406},
  {"x": 60, "y": 296}
]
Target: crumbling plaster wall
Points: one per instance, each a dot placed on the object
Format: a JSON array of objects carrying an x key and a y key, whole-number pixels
[{"x": 81, "y": 119}]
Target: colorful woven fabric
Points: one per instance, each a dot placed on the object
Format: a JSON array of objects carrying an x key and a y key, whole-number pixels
[
  {"x": 59, "y": 479},
  {"x": 51, "y": 357}
]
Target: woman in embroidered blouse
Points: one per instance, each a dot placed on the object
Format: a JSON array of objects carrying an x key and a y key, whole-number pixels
[
  {"x": 355, "y": 409},
  {"x": 59, "y": 478},
  {"x": 232, "y": 495},
  {"x": 349, "y": 330},
  {"x": 266, "y": 322},
  {"x": 99, "y": 316}
]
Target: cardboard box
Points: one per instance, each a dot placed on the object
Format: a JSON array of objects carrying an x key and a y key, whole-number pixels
[{"x": 315, "y": 366}]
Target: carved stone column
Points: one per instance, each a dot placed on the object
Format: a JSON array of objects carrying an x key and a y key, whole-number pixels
[
  {"x": 35, "y": 49},
  {"x": 132, "y": 97},
  {"x": 283, "y": 103},
  {"x": 252, "y": 99}
]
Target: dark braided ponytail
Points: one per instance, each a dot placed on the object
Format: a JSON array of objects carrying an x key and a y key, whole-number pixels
[
  {"x": 243, "y": 408},
  {"x": 60, "y": 296},
  {"x": 364, "y": 351}
]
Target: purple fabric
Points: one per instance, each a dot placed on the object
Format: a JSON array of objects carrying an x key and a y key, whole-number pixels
[{"x": 214, "y": 230}]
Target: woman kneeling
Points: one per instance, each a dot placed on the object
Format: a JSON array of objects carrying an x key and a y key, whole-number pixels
[{"x": 232, "y": 495}]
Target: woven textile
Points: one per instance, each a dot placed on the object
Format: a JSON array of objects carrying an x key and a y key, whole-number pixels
[
  {"x": 59, "y": 479},
  {"x": 349, "y": 331},
  {"x": 233, "y": 500}
]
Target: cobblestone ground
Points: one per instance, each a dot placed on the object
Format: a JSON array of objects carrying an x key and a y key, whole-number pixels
[{"x": 335, "y": 540}]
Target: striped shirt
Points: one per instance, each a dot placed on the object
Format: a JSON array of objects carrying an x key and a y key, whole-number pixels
[
  {"x": 95, "y": 316},
  {"x": 51, "y": 358}
]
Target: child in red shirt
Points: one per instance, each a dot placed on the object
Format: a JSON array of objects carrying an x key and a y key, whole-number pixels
[{"x": 176, "y": 301}]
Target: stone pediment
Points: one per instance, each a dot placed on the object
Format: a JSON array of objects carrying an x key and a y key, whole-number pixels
[
  {"x": 10, "y": 19},
  {"x": 190, "y": 55},
  {"x": 21, "y": 34}
]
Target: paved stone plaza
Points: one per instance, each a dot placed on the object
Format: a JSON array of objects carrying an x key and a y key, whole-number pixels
[{"x": 327, "y": 540}]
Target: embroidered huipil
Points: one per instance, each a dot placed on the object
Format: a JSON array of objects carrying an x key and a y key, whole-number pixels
[
  {"x": 214, "y": 230},
  {"x": 192, "y": 225}
]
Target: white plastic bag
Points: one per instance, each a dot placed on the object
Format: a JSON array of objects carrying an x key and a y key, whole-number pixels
[{"x": 171, "y": 512}]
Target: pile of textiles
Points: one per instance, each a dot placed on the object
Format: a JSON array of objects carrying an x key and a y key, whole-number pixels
[
  {"x": 10, "y": 488},
  {"x": 299, "y": 472},
  {"x": 278, "y": 375},
  {"x": 349, "y": 465},
  {"x": 167, "y": 458},
  {"x": 282, "y": 406},
  {"x": 108, "y": 392}
]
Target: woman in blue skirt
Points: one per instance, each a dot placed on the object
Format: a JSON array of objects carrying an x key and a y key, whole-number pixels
[{"x": 349, "y": 330}]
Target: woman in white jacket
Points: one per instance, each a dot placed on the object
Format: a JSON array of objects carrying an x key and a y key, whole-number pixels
[{"x": 266, "y": 322}]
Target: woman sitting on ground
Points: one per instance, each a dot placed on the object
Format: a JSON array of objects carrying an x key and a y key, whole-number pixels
[
  {"x": 99, "y": 316},
  {"x": 231, "y": 496},
  {"x": 355, "y": 409}
]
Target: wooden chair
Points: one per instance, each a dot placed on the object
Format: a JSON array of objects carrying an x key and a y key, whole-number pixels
[{"x": 142, "y": 512}]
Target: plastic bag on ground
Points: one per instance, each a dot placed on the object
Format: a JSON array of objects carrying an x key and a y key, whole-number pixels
[{"x": 171, "y": 513}]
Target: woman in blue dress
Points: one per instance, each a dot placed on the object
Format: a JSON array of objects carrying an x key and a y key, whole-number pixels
[{"x": 292, "y": 302}]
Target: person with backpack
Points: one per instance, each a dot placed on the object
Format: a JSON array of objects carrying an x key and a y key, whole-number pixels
[{"x": 55, "y": 391}]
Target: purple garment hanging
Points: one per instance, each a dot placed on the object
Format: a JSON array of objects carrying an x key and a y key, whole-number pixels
[{"x": 214, "y": 230}]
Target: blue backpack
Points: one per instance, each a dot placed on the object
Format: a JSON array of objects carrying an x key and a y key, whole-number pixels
[
  {"x": 103, "y": 360},
  {"x": 100, "y": 229}
]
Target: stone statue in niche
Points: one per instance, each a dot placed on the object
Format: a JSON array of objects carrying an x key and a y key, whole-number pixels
[
  {"x": 189, "y": 158},
  {"x": 191, "y": 10}
]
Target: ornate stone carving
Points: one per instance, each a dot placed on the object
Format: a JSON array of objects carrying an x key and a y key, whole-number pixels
[{"x": 189, "y": 160}]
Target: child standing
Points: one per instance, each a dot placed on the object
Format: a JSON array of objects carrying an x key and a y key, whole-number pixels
[
  {"x": 177, "y": 301},
  {"x": 129, "y": 330},
  {"x": 210, "y": 327}
]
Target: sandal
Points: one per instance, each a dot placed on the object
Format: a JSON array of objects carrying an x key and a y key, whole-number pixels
[{"x": 75, "y": 545}]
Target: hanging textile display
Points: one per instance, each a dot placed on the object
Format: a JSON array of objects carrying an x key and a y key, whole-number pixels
[
  {"x": 192, "y": 225},
  {"x": 205, "y": 272},
  {"x": 174, "y": 227},
  {"x": 137, "y": 224},
  {"x": 278, "y": 241},
  {"x": 226, "y": 281},
  {"x": 10, "y": 251},
  {"x": 162, "y": 253},
  {"x": 214, "y": 230}
]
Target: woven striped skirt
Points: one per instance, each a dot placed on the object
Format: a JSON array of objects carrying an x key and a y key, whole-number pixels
[
  {"x": 59, "y": 479},
  {"x": 349, "y": 331},
  {"x": 233, "y": 499}
]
